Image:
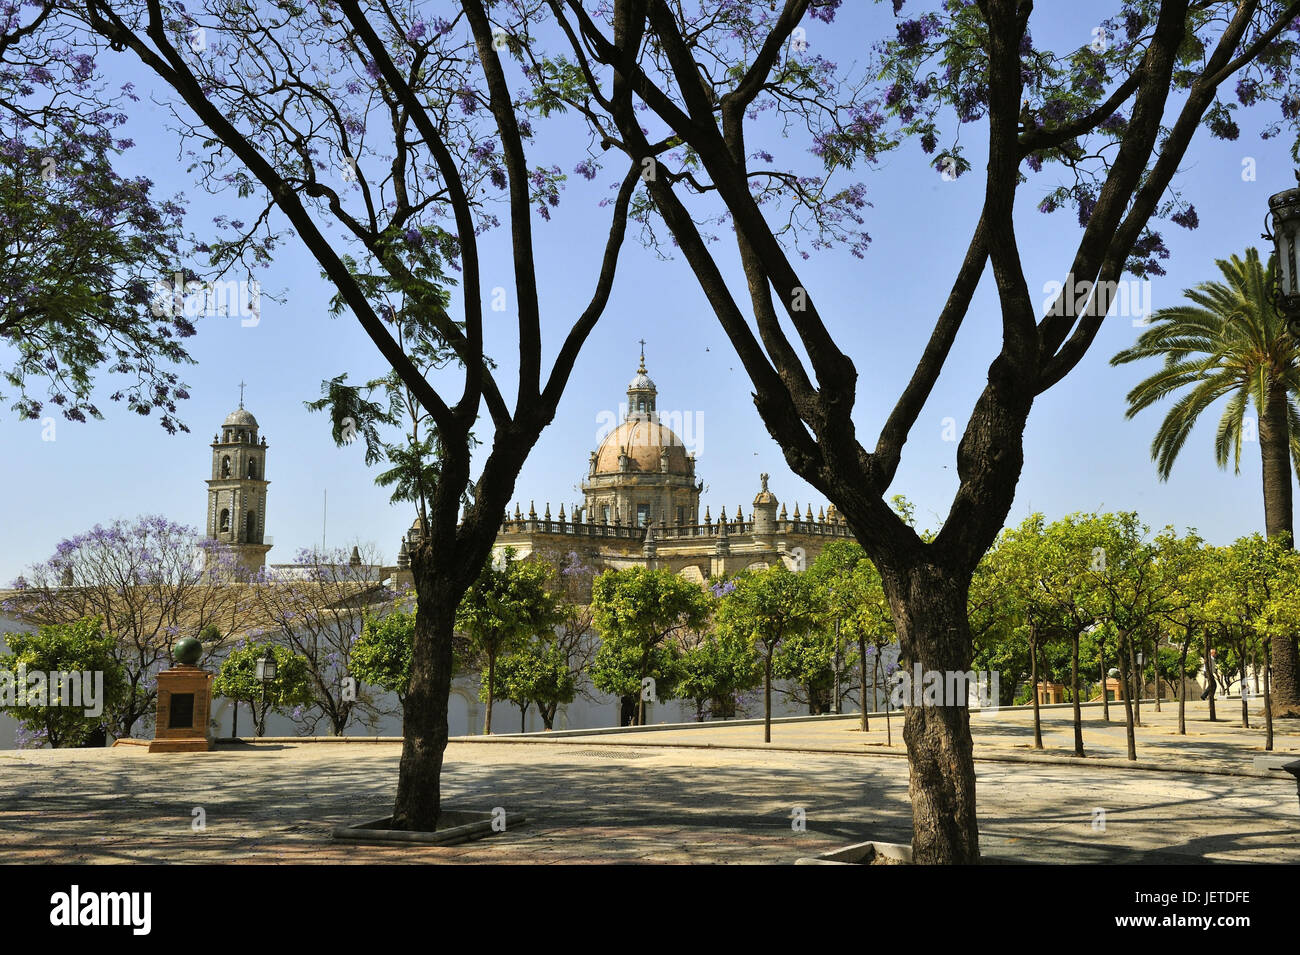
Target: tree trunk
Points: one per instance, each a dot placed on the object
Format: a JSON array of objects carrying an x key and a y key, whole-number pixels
[
  {"x": 491, "y": 688},
  {"x": 862, "y": 667},
  {"x": 1268, "y": 708},
  {"x": 1074, "y": 689},
  {"x": 835, "y": 697},
  {"x": 1182, "y": 685},
  {"x": 767, "y": 697},
  {"x": 1033, "y": 682},
  {"x": 1126, "y": 691},
  {"x": 929, "y": 609},
  {"x": 1105, "y": 690},
  {"x": 418, "y": 802},
  {"x": 1155, "y": 667},
  {"x": 1274, "y": 449},
  {"x": 1245, "y": 690},
  {"x": 1210, "y": 677},
  {"x": 876, "y": 668},
  {"x": 1136, "y": 676},
  {"x": 640, "y": 697}
]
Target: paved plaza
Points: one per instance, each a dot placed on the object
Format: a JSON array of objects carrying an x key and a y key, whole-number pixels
[{"x": 675, "y": 796}]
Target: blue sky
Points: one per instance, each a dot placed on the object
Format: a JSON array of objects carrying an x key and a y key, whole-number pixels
[{"x": 1081, "y": 454}]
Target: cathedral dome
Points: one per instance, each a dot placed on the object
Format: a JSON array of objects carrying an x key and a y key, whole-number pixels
[
  {"x": 641, "y": 382},
  {"x": 240, "y": 418},
  {"x": 645, "y": 440}
]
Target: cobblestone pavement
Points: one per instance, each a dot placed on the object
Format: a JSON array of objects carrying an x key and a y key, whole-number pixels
[
  {"x": 1222, "y": 746},
  {"x": 598, "y": 799}
]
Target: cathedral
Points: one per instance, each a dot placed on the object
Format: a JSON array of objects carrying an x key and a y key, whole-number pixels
[{"x": 641, "y": 508}]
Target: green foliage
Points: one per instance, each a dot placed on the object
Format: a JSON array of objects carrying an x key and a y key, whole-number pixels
[
  {"x": 80, "y": 647},
  {"x": 1081, "y": 572},
  {"x": 1167, "y": 666},
  {"x": 846, "y": 587},
  {"x": 636, "y": 612},
  {"x": 848, "y": 593},
  {"x": 382, "y": 653},
  {"x": 506, "y": 604},
  {"x": 537, "y": 672},
  {"x": 808, "y": 659},
  {"x": 714, "y": 670},
  {"x": 620, "y": 666},
  {"x": 1125, "y": 572},
  {"x": 1276, "y": 569},
  {"x": 237, "y": 679},
  {"x": 1042, "y": 573},
  {"x": 769, "y": 606}
]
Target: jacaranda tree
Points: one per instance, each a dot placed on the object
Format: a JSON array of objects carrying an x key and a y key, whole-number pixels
[{"x": 409, "y": 133}]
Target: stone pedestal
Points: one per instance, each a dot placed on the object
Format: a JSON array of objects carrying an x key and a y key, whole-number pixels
[{"x": 184, "y": 703}]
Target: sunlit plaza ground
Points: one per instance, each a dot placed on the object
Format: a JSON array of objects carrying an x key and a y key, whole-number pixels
[{"x": 708, "y": 794}]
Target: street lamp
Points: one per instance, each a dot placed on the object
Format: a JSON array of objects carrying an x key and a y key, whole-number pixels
[
  {"x": 1284, "y": 222},
  {"x": 265, "y": 675}
]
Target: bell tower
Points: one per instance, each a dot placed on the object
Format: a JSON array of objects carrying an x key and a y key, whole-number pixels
[{"x": 237, "y": 490}]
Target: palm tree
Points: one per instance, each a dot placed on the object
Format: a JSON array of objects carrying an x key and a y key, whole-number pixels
[{"x": 1231, "y": 342}]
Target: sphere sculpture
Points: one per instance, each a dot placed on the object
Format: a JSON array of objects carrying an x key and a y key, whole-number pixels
[{"x": 187, "y": 651}]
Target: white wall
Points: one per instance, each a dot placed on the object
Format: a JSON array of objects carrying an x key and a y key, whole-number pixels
[{"x": 9, "y": 725}]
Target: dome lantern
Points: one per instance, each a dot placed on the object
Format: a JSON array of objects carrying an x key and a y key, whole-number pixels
[{"x": 641, "y": 393}]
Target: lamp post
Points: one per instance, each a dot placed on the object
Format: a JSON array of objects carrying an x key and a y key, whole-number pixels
[
  {"x": 265, "y": 675},
  {"x": 1140, "y": 678},
  {"x": 1283, "y": 228}
]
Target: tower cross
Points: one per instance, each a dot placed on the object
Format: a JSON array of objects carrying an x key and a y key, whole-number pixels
[
  {"x": 642, "y": 341},
  {"x": 241, "y": 394}
]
